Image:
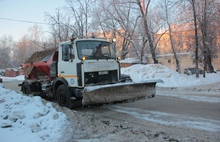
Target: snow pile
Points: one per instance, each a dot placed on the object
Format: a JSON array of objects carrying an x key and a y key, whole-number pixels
[
  {"x": 25, "y": 118},
  {"x": 142, "y": 73}
]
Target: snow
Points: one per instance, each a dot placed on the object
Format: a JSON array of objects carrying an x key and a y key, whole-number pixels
[
  {"x": 24, "y": 118},
  {"x": 6, "y": 79},
  {"x": 129, "y": 60},
  {"x": 171, "y": 119},
  {"x": 210, "y": 98},
  {"x": 170, "y": 78}
]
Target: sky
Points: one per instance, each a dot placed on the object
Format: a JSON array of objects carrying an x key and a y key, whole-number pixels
[
  {"x": 25, "y": 10},
  {"x": 42, "y": 122}
]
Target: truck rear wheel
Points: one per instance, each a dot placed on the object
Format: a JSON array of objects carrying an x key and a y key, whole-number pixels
[
  {"x": 25, "y": 88},
  {"x": 63, "y": 98}
]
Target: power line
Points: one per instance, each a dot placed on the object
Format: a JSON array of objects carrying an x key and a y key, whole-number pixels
[{"x": 24, "y": 21}]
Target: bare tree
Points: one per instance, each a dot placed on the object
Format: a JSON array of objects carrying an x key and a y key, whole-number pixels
[
  {"x": 23, "y": 49},
  {"x": 128, "y": 27},
  {"x": 206, "y": 22},
  {"x": 80, "y": 12},
  {"x": 36, "y": 35},
  {"x": 206, "y": 16},
  {"x": 144, "y": 14},
  {"x": 6, "y": 44},
  {"x": 118, "y": 16},
  {"x": 168, "y": 5},
  {"x": 125, "y": 20},
  {"x": 196, "y": 36},
  {"x": 60, "y": 26}
]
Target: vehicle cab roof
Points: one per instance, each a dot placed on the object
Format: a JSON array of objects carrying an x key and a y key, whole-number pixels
[{"x": 84, "y": 39}]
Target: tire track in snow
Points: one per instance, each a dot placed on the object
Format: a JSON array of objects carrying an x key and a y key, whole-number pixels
[
  {"x": 170, "y": 119},
  {"x": 209, "y": 99}
]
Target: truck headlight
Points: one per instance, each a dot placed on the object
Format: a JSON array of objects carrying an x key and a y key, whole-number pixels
[{"x": 83, "y": 58}]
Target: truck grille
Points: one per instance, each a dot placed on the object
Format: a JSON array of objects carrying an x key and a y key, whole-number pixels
[{"x": 103, "y": 77}]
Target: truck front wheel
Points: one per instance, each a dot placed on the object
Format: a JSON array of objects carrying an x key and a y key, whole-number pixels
[{"x": 63, "y": 98}]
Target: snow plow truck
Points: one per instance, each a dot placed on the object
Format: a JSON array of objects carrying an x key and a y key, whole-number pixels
[{"x": 81, "y": 72}]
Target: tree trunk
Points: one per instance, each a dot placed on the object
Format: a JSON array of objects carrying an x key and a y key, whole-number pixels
[
  {"x": 207, "y": 53},
  {"x": 150, "y": 41},
  {"x": 173, "y": 49},
  {"x": 146, "y": 29},
  {"x": 196, "y": 39}
]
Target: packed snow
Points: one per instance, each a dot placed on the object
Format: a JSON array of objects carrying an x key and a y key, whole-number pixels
[{"x": 24, "y": 118}]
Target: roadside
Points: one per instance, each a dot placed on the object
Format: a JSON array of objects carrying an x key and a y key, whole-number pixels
[
  {"x": 112, "y": 123},
  {"x": 97, "y": 124},
  {"x": 212, "y": 88},
  {"x": 116, "y": 123}
]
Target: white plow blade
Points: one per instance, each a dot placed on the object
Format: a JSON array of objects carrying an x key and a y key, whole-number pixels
[{"x": 118, "y": 92}]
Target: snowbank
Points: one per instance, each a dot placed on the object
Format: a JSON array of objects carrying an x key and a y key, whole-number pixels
[
  {"x": 6, "y": 79},
  {"x": 25, "y": 118},
  {"x": 141, "y": 73}
]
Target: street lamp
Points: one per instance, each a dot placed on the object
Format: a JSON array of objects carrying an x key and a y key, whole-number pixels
[{"x": 114, "y": 40}]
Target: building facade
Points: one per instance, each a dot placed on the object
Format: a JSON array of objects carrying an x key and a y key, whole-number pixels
[{"x": 184, "y": 44}]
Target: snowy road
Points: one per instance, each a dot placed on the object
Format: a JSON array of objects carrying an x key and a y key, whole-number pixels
[
  {"x": 176, "y": 103},
  {"x": 173, "y": 115},
  {"x": 175, "y": 112},
  {"x": 197, "y": 104}
]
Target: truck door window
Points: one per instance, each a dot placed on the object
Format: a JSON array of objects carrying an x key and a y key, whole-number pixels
[
  {"x": 72, "y": 55},
  {"x": 66, "y": 52}
]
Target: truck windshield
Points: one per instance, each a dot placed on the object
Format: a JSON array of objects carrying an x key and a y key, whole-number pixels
[{"x": 95, "y": 49}]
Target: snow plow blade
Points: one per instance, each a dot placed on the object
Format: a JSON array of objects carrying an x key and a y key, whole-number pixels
[{"x": 122, "y": 92}]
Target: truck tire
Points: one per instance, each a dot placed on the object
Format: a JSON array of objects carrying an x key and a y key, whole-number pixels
[
  {"x": 63, "y": 98},
  {"x": 26, "y": 88}
]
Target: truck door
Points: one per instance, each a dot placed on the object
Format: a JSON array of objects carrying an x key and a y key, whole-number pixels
[{"x": 67, "y": 65}]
